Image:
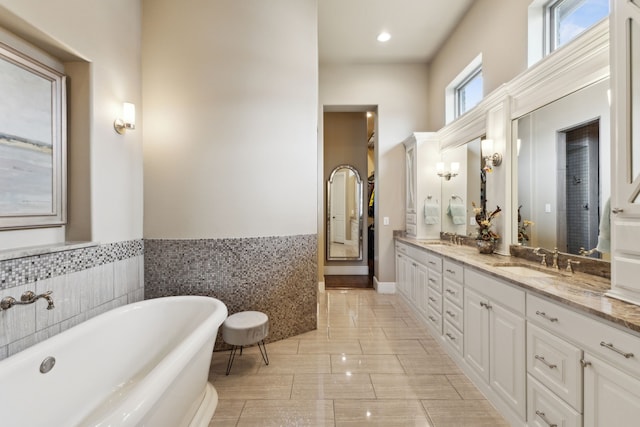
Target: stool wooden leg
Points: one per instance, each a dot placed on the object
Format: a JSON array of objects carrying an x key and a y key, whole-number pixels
[
  {"x": 232, "y": 355},
  {"x": 264, "y": 353}
]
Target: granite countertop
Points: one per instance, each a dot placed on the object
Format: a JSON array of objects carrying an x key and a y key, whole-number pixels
[{"x": 582, "y": 292}]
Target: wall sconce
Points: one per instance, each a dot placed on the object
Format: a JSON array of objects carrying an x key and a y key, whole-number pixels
[
  {"x": 490, "y": 160},
  {"x": 455, "y": 167},
  {"x": 128, "y": 120}
]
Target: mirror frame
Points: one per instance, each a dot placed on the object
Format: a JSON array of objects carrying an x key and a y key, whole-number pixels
[{"x": 359, "y": 211}]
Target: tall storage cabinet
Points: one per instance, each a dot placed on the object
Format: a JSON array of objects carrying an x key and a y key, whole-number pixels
[
  {"x": 625, "y": 203},
  {"x": 422, "y": 183}
]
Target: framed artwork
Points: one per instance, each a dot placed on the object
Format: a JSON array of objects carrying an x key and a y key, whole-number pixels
[{"x": 32, "y": 143}]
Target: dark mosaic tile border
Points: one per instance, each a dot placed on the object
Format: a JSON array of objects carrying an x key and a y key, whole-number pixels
[
  {"x": 20, "y": 271},
  {"x": 275, "y": 275}
]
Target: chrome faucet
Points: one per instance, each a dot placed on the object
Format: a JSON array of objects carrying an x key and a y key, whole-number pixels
[
  {"x": 555, "y": 255},
  {"x": 543, "y": 261},
  {"x": 29, "y": 297},
  {"x": 585, "y": 252}
]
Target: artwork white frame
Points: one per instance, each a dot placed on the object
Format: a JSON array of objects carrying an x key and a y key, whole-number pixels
[{"x": 32, "y": 142}]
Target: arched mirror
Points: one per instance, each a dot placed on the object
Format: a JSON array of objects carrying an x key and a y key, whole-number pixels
[{"x": 344, "y": 214}]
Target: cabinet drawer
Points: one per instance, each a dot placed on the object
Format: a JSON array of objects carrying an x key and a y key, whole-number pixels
[
  {"x": 453, "y": 314},
  {"x": 556, "y": 364},
  {"x": 434, "y": 262},
  {"x": 453, "y": 270},
  {"x": 402, "y": 248},
  {"x": 435, "y": 320},
  {"x": 453, "y": 292},
  {"x": 545, "y": 409},
  {"x": 453, "y": 337},
  {"x": 411, "y": 229},
  {"x": 411, "y": 218},
  {"x": 435, "y": 281},
  {"x": 434, "y": 299},
  {"x": 497, "y": 290},
  {"x": 619, "y": 347}
]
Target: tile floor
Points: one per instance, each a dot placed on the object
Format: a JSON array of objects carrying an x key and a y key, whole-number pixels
[{"x": 369, "y": 362}]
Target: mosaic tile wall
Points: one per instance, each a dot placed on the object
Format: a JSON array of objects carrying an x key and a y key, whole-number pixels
[
  {"x": 85, "y": 282},
  {"x": 275, "y": 275}
]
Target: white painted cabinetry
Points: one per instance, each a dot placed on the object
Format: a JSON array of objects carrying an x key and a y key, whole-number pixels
[
  {"x": 418, "y": 281},
  {"x": 611, "y": 397},
  {"x": 453, "y": 325},
  {"x": 494, "y": 338},
  {"x": 421, "y": 183},
  {"x": 625, "y": 201}
]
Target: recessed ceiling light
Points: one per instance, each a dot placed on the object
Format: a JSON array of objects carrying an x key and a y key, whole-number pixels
[{"x": 384, "y": 37}]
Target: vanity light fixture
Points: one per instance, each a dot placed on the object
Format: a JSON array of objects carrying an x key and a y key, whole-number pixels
[
  {"x": 490, "y": 160},
  {"x": 128, "y": 120},
  {"x": 455, "y": 167},
  {"x": 384, "y": 37}
]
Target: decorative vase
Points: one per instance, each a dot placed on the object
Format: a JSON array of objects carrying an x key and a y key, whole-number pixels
[{"x": 485, "y": 246}]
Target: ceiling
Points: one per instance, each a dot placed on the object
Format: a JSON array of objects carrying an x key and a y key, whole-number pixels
[{"x": 347, "y": 29}]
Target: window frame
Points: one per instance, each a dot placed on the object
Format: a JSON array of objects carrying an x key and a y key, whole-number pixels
[
  {"x": 451, "y": 93},
  {"x": 457, "y": 90}
]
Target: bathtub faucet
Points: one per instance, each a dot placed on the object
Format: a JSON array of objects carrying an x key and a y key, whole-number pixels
[{"x": 29, "y": 297}]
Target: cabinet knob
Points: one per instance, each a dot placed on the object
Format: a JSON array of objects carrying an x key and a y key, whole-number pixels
[{"x": 584, "y": 363}]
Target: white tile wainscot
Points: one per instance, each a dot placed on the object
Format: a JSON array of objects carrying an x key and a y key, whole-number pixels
[{"x": 544, "y": 351}]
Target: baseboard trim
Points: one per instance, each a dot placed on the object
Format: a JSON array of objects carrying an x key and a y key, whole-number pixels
[
  {"x": 347, "y": 270},
  {"x": 384, "y": 287}
]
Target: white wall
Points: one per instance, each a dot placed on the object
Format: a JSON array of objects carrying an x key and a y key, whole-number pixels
[
  {"x": 230, "y": 91},
  {"x": 497, "y": 29},
  {"x": 400, "y": 94},
  {"x": 107, "y": 35}
]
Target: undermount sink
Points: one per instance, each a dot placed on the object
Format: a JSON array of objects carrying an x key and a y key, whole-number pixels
[{"x": 525, "y": 270}]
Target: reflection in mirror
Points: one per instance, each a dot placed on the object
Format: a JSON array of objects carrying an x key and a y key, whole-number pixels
[
  {"x": 344, "y": 214},
  {"x": 461, "y": 191},
  {"x": 564, "y": 173}
]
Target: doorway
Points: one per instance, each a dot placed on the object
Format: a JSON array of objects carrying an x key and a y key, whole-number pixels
[
  {"x": 580, "y": 194},
  {"x": 349, "y": 136}
]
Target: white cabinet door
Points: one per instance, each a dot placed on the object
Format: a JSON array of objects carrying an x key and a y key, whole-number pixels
[
  {"x": 611, "y": 397},
  {"x": 476, "y": 333},
  {"x": 625, "y": 200},
  {"x": 507, "y": 356},
  {"x": 422, "y": 283},
  {"x": 402, "y": 270}
]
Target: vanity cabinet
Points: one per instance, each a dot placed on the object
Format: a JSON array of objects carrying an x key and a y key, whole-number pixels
[
  {"x": 597, "y": 368},
  {"x": 418, "y": 280},
  {"x": 494, "y": 337},
  {"x": 611, "y": 397},
  {"x": 422, "y": 184},
  {"x": 453, "y": 327}
]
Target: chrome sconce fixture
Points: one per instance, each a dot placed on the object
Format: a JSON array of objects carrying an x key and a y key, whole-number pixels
[
  {"x": 455, "y": 167},
  {"x": 490, "y": 160},
  {"x": 128, "y": 120}
]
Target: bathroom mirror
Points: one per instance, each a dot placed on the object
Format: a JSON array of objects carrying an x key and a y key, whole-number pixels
[
  {"x": 344, "y": 214},
  {"x": 564, "y": 172},
  {"x": 459, "y": 192}
]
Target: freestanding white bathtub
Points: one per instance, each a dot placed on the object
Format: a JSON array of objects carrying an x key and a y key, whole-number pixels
[{"x": 143, "y": 364}]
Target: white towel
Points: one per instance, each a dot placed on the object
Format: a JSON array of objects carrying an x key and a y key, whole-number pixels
[
  {"x": 431, "y": 213},
  {"x": 604, "y": 235},
  {"x": 458, "y": 213}
]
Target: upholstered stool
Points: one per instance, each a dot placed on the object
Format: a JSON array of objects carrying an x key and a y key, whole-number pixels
[{"x": 245, "y": 328}]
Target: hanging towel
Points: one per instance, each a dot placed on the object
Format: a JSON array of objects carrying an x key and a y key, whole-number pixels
[
  {"x": 457, "y": 212},
  {"x": 431, "y": 212},
  {"x": 604, "y": 235}
]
